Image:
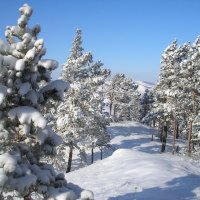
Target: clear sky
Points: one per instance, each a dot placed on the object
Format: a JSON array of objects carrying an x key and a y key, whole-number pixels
[{"x": 128, "y": 36}]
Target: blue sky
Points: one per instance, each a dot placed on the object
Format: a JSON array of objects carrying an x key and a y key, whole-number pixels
[{"x": 129, "y": 36}]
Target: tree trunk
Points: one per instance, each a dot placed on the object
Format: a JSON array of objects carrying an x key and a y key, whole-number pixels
[
  {"x": 101, "y": 153},
  {"x": 26, "y": 197},
  {"x": 70, "y": 158},
  {"x": 189, "y": 138},
  {"x": 101, "y": 108},
  {"x": 177, "y": 130},
  {"x": 114, "y": 112},
  {"x": 111, "y": 105},
  {"x": 92, "y": 158},
  {"x": 154, "y": 123},
  {"x": 164, "y": 137},
  {"x": 152, "y": 137},
  {"x": 174, "y": 136}
]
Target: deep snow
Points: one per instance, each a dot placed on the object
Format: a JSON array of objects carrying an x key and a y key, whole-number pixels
[{"x": 137, "y": 169}]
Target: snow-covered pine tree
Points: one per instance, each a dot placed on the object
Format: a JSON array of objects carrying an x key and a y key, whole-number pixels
[
  {"x": 134, "y": 106},
  {"x": 25, "y": 136},
  {"x": 146, "y": 103},
  {"x": 96, "y": 80},
  {"x": 122, "y": 94},
  {"x": 196, "y": 123},
  {"x": 162, "y": 110},
  {"x": 80, "y": 121},
  {"x": 177, "y": 93},
  {"x": 189, "y": 85}
]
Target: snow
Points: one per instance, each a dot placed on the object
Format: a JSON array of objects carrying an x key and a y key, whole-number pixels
[
  {"x": 9, "y": 61},
  {"x": 8, "y": 162},
  {"x": 87, "y": 194},
  {"x": 58, "y": 85},
  {"x": 4, "y": 48},
  {"x": 47, "y": 64},
  {"x": 27, "y": 115},
  {"x": 3, "y": 132},
  {"x": 57, "y": 195},
  {"x": 30, "y": 55},
  {"x": 32, "y": 97},
  {"x": 3, "y": 93},
  {"x": 39, "y": 42},
  {"x": 26, "y": 10},
  {"x": 50, "y": 135},
  {"x": 26, "y": 38},
  {"x": 3, "y": 177},
  {"x": 137, "y": 169},
  {"x": 24, "y": 88},
  {"x": 43, "y": 175},
  {"x": 143, "y": 85},
  {"x": 20, "y": 65},
  {"x": 22, "y": 21},
  {"x": 22, "y": 183}
]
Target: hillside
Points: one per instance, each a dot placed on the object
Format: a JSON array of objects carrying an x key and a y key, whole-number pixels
[
  {"x": 137, "y": 169},
  {"x": 143, "y": 85}
]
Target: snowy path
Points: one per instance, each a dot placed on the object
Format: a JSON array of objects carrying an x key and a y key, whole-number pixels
[{"x": 137, "y": 170}]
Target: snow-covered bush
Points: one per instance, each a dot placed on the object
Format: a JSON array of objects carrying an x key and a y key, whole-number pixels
[{"x": 25, "y": 137}]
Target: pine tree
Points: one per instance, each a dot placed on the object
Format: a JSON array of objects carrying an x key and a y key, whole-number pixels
[
  {"x": 189, "y": 85},
  {"x": 146, "y": 103},
  {"x": 80, "y": 121},
  {"x": 26, "y": 138},
  {"x": 122, "y": 95},
  {"x": 177, "y": 95}
]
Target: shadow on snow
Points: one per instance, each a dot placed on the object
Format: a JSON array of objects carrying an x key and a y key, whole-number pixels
[{"x": 179, "y": 188}]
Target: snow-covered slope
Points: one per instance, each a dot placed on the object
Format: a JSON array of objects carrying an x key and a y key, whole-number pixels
[
  {"x": 137, "y": 170},
  {"x": 143, "y": 85}
]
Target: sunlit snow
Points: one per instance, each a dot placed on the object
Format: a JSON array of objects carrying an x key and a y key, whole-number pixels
[{"x": 137, "y": 169}]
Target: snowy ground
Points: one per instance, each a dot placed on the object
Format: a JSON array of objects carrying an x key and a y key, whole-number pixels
[{"x": 137, "y": 169}]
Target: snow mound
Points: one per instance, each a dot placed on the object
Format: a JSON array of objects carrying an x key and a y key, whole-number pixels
[{"x": 87, "y": 195}]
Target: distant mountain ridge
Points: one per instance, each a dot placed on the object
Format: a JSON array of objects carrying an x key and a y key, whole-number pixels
[{"x": 143, "y": 85}]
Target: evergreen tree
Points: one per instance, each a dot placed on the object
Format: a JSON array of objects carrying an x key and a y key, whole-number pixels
[
  {"x": 80, "y": 121},
  {"x": 146, "y": 103},
  {"x": 189, "y": 84},
  {"x": 177, "y": 93},
  {"x": 25, "y": 137},
  {"x": 123, "y": 97}
]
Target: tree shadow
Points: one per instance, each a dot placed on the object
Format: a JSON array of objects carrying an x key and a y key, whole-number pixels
[
  {"x": 181, "y": 188},
  {"x": 144, "y": 144}
]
